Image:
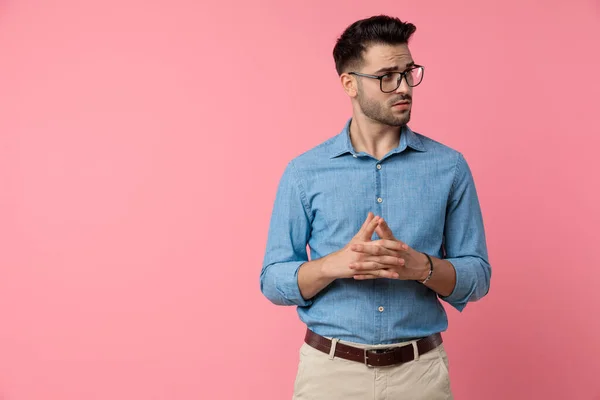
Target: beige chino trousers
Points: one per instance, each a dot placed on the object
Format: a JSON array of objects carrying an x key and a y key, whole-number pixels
[{"x": 323, "y": 377}]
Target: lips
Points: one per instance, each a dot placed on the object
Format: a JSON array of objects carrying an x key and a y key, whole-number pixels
[{"x": 402, "y": 105}]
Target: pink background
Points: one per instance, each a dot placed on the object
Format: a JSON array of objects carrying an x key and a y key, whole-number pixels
[{"x": 141, "y": 143}]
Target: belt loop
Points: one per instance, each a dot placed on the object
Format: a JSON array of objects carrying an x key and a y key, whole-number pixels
[
  {"x": 415, "y": 349},
  {"x": 332, "y": 350}
]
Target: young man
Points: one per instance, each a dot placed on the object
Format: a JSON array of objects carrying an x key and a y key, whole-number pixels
[{"x": 394, "y": 225}]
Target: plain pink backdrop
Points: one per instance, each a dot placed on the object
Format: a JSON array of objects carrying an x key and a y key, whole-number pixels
[{"x": 141, "y": 143}]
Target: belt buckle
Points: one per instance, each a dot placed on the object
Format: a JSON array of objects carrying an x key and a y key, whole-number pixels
[
  {"x": 378, "y": 351},
  {"x": 367, "y": 359}
]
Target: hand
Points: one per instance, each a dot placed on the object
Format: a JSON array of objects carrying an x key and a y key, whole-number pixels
[
  {"x": 411, "y": 264},
  {"x": 337, "y": 264}
]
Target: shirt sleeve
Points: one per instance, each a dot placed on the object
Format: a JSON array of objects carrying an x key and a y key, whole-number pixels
[
  {"x": 465, "y": 240},
  {"x": 287, "y": 240}
]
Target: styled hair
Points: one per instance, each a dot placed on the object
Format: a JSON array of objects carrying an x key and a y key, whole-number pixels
[{"x": 356, "y": 39}]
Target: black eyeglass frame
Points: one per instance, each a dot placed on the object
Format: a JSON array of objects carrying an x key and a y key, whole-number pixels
[{"x": 402, "y": 76}]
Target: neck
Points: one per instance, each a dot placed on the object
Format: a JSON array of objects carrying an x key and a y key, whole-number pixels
[{"x": 373, "y": 137}]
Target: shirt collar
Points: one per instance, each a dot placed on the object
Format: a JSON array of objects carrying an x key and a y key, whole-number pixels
[{"x": 343, "y": 145}]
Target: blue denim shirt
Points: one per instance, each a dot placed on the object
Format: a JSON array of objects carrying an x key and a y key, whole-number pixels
[{"x": 426, "y": 193}]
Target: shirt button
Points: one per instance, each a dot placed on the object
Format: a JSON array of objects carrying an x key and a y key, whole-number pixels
[
  {"x": 380, "y": 309},
  {"x": 354, "y": 155},
  {"x": 378, "y": 166},
  {"x": 379, "y": 200}
]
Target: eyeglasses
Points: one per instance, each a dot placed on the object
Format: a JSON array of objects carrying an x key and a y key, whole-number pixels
[{"x": 391, "y": 81}]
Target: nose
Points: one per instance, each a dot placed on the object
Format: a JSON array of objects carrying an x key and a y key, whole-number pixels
[{"x": 403, "y": 87}]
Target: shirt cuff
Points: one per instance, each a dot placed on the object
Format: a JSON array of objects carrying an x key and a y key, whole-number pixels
[
  {"x": 285, "y": 282},
  {"x": 466, "y": 281}
]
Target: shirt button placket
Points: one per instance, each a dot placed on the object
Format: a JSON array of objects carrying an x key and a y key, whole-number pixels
[
  {"x": 379, "y": 199},
  {"x": 382, "y": 320}
]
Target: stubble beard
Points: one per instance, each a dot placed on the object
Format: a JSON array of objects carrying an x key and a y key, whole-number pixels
[{"x": 382, "y": 113}]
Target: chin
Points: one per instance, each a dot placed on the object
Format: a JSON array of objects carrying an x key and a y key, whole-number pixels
[
  {"x": 400, "y": 121},
  {"x": 394, "y": 122},
  {"x": 405, "y": 119}
]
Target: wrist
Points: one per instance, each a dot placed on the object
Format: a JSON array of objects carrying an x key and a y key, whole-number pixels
[
  {"x": 427, "y": 268},
  {"x": 325, "y": 267}
]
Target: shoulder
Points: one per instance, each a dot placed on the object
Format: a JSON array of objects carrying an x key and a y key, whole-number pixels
[
  {"x": 453, "y": 159},
  {"x": 318, "y": 154},
  {"x": 440, "y": 152},
  {"x": 437, "y": 147}
]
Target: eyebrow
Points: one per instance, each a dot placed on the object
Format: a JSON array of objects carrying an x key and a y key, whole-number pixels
[{"x": 394, "y": 68}]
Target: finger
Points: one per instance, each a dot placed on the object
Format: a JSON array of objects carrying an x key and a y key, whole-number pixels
[
  {"x": 387, "y": 261},
  {"x": 383, "y": 230},
  {"x": 372, "y": 249},
  {"x": 394, "y": 245},
  {"x": 376, "y": 275},
  {"x": 377, "y": 263},
  {"x": 381, "y": 233},
  {"x": 367, "y": 233},
  {"x": 367, "y": 266},
  {"x": 365, "y": 224},
  {"x": 365, "y": 277},
  {"x": 370, "y": 216}
]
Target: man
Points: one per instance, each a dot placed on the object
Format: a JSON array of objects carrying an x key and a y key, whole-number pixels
[{"x": 394, "y": 227}]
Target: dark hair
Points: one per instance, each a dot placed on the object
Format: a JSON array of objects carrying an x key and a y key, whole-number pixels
[{"x": 380, "y": 29}]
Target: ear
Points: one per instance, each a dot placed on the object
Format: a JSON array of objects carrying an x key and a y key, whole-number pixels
[{"x": 349, "y": 84}]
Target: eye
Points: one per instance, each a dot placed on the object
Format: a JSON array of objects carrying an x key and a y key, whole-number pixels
[{"x": 389, "y": 77}]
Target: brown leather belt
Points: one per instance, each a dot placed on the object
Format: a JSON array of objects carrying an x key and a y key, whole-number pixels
[{"x": 374, "y": 357}]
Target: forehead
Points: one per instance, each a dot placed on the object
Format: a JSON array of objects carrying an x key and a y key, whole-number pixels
[{"x": 379, "y": 56}]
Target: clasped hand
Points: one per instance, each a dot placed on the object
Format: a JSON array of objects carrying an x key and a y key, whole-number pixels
[{"x": 388, "y": 257}]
